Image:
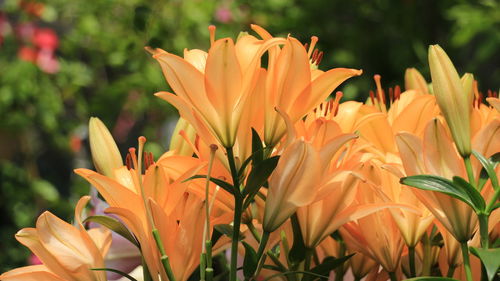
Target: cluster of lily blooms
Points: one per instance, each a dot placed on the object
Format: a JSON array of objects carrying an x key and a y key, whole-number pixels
[{"x": 261, "y": 152}]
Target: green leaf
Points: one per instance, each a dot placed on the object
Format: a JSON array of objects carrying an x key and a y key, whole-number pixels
[
  {"x": 257, "y": 148},
  {"x": 490, "y": 259},
  {"x": 250, "y": 261},
  {"x": 115, "y": 271},
  {"x": 114, "y": 225},
  {"x": 488, "y": 166},
  {"x": 225, "y": 185},
  {"x": 257, "y": 153},
  {"x": 258, "y": 177},
  {"x": 473, "y": 193},
  {"x": 223, "y": 229},
  {"x": 298, "y": 250},
  {"x": 439, "y": 184},
  {"x": 328, "y": 264},
  {"x": 428, "y": 278}
]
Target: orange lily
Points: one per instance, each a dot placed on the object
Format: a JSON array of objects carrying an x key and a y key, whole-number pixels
[
  {"x": 294, "y": 85},
  {"x": 67, "y": 252},
  {"x": 213, "y": 99},
  {"x": 453, "y": 96},
  {"x": 162, "y": 185},
  {"x": 437, "y": 156}
]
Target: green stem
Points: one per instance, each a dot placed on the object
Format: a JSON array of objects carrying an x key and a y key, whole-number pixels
[
  {"x": 254, "y": 231},
  {"x": 392, "y": 276},
  {"x": 235, "y": 239},
  {"x": 263, "y": 244},
  {"x": 470, "y": 172},
  {"x": 493, "y": 200},
  {"x": 411, "y": 256},
  {"x": 483, "y": 230},
  {"x": 307, "y": 262},
  {"x": 164, "y": 258},
  {"x": 465, "y": 255},
  {"x": 203, "y": 266},
  {"x": 339, "y": 272},
  {"x": 427, "y": 259},
  {"x": 451, "y": 271},
  {"x": 260, "y": 252},
  {"x": 238, "y": 204}
]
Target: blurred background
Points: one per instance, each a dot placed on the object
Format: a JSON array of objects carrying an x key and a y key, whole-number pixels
[{"x": 62, "y": 62}]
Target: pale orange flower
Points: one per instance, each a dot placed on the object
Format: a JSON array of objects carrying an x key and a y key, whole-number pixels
[
  {"x": 165, "y": 192},
  {"x": 105, "y": 153},
  {"x": 437, "y": 156},
  {"x": 415, "y": 81},
  {"x": 212, "y": 93},
  {"x": 67, "y": 252},
  {"x": 294, "y": 84},
  {"x": 454, "y": 97}
]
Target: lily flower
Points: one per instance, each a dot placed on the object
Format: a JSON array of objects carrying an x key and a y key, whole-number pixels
[
  {"x": 415, "y": 81},
  {"x": 454, "y": 101},
  {"x": 294, "y": 86},
  {"x": 105, "y": 153},
  {"x": 162, "y": 187},
  {"x": 67, "y": 252},
  {"x": 437, "y": 156},
  {"x": 213, "y": 99},
  {"x": 297, "y": 179}
]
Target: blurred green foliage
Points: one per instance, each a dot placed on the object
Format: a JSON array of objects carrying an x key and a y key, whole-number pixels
[{"x": 102, "y": 70}]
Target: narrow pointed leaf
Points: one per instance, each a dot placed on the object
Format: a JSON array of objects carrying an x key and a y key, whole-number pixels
[
  {"x": 429, "y": 278},
  {"x": 225, "y": 229},
  {"x": 474, "y": 195},
  {"x": 114, "y": 225},
  {"x": 438, "y": 184},
  {"x": 223, "y": 184},
  {"x": 248, "y": 161},
  {"x": 490, "y": 259},
  {"x": 115, "y": 271},
  {"x": 250, "y": 261},
  {"x": 298, "y": 250},
  {"x": 256, "y": 147},
  {"x": 259, "y": 175},
  {"x": 488, "y": 167},
  {"x": 328, "y": 264}
]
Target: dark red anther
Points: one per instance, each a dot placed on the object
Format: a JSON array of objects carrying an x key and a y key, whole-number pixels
[
  {"x": 480, "y": 100},
  {"x": 306, "y": 46},
  {"x": 128, "y": 161},
  {"x": 372, "y": 97},
  {"x": 391, "y": 95},
  {"x": 490, "y": 93},
  {"x": 314, "y": 55},
  {"x": 397, "y": 92},
  {"x": 148, "y": 160},
  {"x": 319, "y": 58}
]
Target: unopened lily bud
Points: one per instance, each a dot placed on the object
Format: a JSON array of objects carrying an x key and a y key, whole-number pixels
[
  {"x": 415, "y": 81},
  {"x": 468, "y": 85},
  {"x": 178, "y": 143},
  {"x": 455, "y": 102},
  {"x": 105, "y": 153},
  {"x": 292, "y": 185}
]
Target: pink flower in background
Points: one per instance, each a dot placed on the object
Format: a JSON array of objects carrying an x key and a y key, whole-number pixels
[
  {"x": 47, "y": 62},
  {"x": 46, "y": 38},
  {"x": 25, "y": 31},
  {"x": 223, "y": 15}
]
